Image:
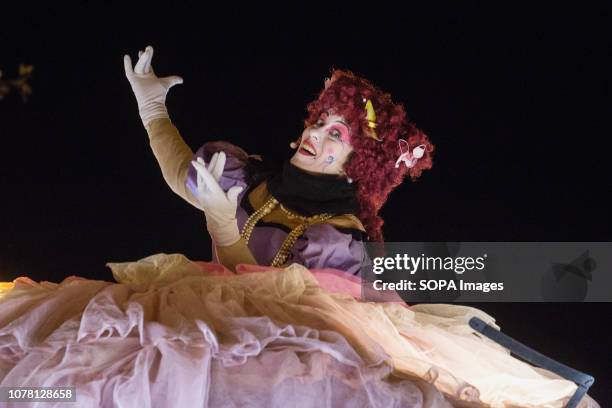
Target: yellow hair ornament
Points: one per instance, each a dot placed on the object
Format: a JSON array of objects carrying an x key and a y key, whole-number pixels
[{"x": 371, "y": 117}]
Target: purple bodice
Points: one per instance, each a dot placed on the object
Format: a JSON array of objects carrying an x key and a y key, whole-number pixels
[{"x": 320, "y": 246}]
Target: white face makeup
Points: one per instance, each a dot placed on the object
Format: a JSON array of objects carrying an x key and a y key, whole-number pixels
[{"x": 325, "y": 146}]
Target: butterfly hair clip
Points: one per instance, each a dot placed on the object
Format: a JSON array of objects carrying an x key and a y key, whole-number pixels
[{"x": 407, "y": 157}]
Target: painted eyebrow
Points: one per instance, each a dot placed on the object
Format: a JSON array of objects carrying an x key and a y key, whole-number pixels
[
  {"x": 341, "y": 121},
  {"x": 338, "y": 121}
]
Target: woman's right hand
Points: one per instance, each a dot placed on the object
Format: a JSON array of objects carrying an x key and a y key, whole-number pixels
[
  {"x": 150, "y": 91},
  {"x": 219, "y": 206}
]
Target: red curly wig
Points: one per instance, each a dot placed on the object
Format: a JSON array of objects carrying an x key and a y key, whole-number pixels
[{"x": 371, "y": 164}]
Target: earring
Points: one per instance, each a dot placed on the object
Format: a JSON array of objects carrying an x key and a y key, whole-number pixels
[
  {"x": 349, "y": 180},
  {"x": 293, "y": 145}
]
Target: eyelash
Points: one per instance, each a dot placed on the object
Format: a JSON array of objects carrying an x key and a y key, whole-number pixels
[{"x": 334, "y": 132}]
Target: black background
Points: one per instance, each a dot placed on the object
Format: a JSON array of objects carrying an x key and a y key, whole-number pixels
[{"x": 513, "y": 98}]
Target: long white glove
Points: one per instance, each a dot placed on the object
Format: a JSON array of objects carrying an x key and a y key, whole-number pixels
[
  {"x": 150, "y": 90},
  {"x": 219, "y": 206}
]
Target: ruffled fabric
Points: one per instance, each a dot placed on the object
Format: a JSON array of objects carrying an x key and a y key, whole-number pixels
[{"x": 173, "y": 332}]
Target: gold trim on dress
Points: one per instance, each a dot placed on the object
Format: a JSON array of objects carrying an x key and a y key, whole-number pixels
[{"x": 296, "y": 232}]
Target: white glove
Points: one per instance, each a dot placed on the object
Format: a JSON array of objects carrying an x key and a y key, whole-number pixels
[
  {"x": 150, "y": 90},
  {"x": 219, "y": 207}
]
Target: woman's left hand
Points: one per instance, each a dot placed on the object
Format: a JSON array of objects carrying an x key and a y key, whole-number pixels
[
  {"x": 219, "y": 206},
  {"x": 149, "y": 89}
]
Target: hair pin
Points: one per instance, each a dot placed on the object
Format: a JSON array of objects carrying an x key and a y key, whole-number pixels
[
  {"x": 408, "y": 158},
  {"x": 371, "y": 118}
]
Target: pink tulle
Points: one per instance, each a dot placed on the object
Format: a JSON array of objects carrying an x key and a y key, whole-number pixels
[{"x": 334, "y": 280}]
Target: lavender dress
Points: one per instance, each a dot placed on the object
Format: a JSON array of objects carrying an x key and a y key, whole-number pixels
[{"x": 321, "y": 245}]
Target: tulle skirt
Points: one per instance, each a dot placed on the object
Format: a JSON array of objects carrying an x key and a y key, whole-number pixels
[{"x": 172, "y": 332}]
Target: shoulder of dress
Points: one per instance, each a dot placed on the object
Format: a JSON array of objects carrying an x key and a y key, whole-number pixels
[
  {"x": 258, "y": 195},
  {"x": 345, "y": 224},
  {"x": 346, "y": 221},
  {"x": 223, "y": 145}
]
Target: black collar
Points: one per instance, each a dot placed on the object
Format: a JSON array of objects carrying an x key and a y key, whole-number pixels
[{"x": 309, "y": 194}]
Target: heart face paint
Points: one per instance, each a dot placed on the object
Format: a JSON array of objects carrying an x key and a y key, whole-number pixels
[{"x": 327, "y": 143}]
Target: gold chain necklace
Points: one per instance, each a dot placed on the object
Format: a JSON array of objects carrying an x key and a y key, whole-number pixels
[{"x": 295, "y": 233}]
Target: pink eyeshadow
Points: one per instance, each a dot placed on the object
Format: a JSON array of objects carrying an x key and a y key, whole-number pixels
[{"x": 344, "y": 134}]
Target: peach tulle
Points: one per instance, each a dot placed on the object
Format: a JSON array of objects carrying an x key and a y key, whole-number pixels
[{"x": 198, "y": 324}]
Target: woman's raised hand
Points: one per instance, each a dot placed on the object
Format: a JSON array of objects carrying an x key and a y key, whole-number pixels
[{"x": 150, "y": 91}]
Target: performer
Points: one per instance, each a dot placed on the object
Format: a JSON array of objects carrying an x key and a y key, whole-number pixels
[
  {"x": 356, "y": 147},
  {"x": 317, "y": 211}
]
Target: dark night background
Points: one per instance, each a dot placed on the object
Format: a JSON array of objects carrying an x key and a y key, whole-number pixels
[{"x": 513, "y": 98}]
